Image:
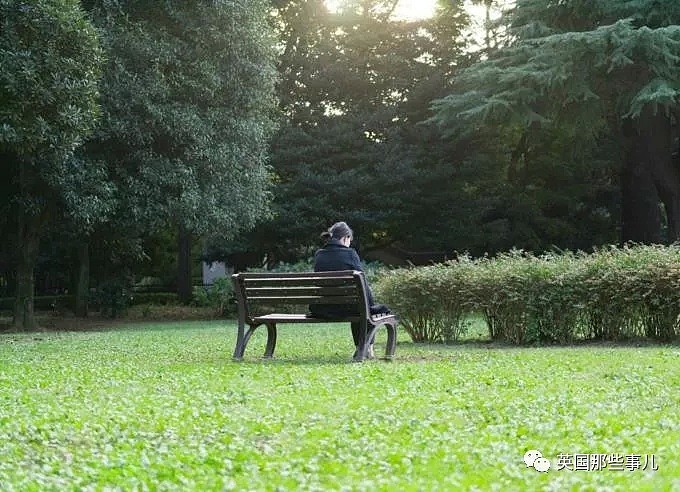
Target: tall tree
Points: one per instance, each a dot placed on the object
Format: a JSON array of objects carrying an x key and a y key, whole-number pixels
[
  {"x": 353, "y": 86},
  {"x": 603, "y": 74},
  {"x": 51, "y": 60},
  {"x": 188, "y": 108}
]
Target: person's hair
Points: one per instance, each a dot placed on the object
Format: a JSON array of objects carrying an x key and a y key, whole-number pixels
[{"x": 337, "y": 231}]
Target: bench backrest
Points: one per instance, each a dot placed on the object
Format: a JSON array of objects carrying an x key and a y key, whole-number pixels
[{"x": 301, "y": 288}]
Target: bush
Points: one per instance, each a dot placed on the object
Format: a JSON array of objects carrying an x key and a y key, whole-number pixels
[
  {"x": 610, "y": 294},
  {"x": 219, "y": 297},
  {"x": 42, "y": 303},
  {"x": 555, "y": 299},
  {"x": 153, "y": 298},
  {"x": 427, "y": 300},
  {"x": 112, "y": 298},
  {"x": 173, "y": 312}
]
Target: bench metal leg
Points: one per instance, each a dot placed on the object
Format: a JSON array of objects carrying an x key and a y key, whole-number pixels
[
  {"x": 391, "y": 345},
  {"x": 271, "y": 340},
  {"x": 362, "y": 339},
  {"x": 391, "y": 341},
  {"x": 246, "y": 338},
  {"x": 242, "y": 341},
  {"x": 240, "y": 346}
]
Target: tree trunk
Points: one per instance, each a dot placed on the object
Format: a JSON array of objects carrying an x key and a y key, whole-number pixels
[
  {"x": 655, "y": 143},
  {"x": 672, "y": 206},
  {"x": 184, "y": 265},
  {"x": 82, "y": 289},
  {"x": 28, "y": 243},
  {"x": 640, "y": 215},
  {"x": 487, "y": 25},
  {"x": 665, "y": 170}
]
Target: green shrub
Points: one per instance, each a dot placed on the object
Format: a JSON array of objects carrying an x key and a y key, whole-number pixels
[
  {"x": 610, "y": 294},
  {"x": 153, "y": 298},
  {"x": 554, "y": 300},
  {"x": 426, "y": 300},
  {"x": 219, "y": 297},
  {"x": 42, "y": 303},
  {"x": 112, "y": 298},
  {"x": 498, "y": 295}
]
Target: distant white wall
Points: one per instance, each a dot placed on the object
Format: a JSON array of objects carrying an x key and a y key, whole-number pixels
[{"x": 215, "y": 270}]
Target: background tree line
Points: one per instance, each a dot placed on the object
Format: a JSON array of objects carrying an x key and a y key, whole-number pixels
[
  {"x": 557, "y": 130},
  {"x": 122, "y": 120}
]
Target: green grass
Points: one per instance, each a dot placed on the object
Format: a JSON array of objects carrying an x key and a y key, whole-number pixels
[{"x": 163, "y": 407}]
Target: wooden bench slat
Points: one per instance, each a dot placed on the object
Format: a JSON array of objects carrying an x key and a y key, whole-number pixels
[
  {"x": 300, "y": 291},
  {"x": 308, "y": 318},
  {"x": 297, "y": 281},
  {"x": 300, "y": 318},
  {"x": 273, "y": 276},
  {"x": 304, "y": 299}
]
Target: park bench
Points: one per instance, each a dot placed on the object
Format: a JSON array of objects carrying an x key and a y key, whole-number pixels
[{"x": 255, "y": 292}]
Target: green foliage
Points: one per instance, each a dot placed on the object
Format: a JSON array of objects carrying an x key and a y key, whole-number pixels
[
  {"x": 42, "y": 303},
  {"x": 219, "y": 296},
  {"x": 161, "y": 406},
  {"x": 587, "y": 76},
  {"x": 611, "y": 294},
  {"x": 51, "y": 63},
  {"x": 427, "y": 303},
  {"x": 188, "y": 107},
  {"x": 112, "y": 297},
  {"x": 353, "y": 87},
  {"x": 152, "y": 298}
]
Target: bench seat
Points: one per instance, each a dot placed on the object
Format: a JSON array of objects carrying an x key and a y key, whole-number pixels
[{"x": 299, "y": 318}]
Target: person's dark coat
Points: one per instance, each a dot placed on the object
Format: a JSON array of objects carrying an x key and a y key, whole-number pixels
[{"x": 334, "y": 257}]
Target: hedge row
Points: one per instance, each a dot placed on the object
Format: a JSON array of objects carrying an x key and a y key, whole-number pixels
[
  {"x": 41, "y": 303},
  {"x": 97, "y": 301},
  {"x": 610, "y": 294}
]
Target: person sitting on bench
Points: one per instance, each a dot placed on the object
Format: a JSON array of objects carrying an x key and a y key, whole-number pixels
[{"x": 338, "y": 255}]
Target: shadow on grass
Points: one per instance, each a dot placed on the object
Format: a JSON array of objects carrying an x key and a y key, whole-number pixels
[
  {"x": 401, "y": 356},
  {"x": 411, "y": 352},
  {"x": 315, "y": 360},
  {"x": 95, "y": 323},
  {"x": 497, "y": 345}
]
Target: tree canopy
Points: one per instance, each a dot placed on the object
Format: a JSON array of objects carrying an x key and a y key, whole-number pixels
[
  {"x": 188, "y": 106},
  {"x": 601, "y": 75},
  {"x": 50, "y": 58},
  {"x": 353, "y": 86}
]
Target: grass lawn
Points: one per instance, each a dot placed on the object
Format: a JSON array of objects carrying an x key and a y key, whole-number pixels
[{"x": 163, "y": 407}]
